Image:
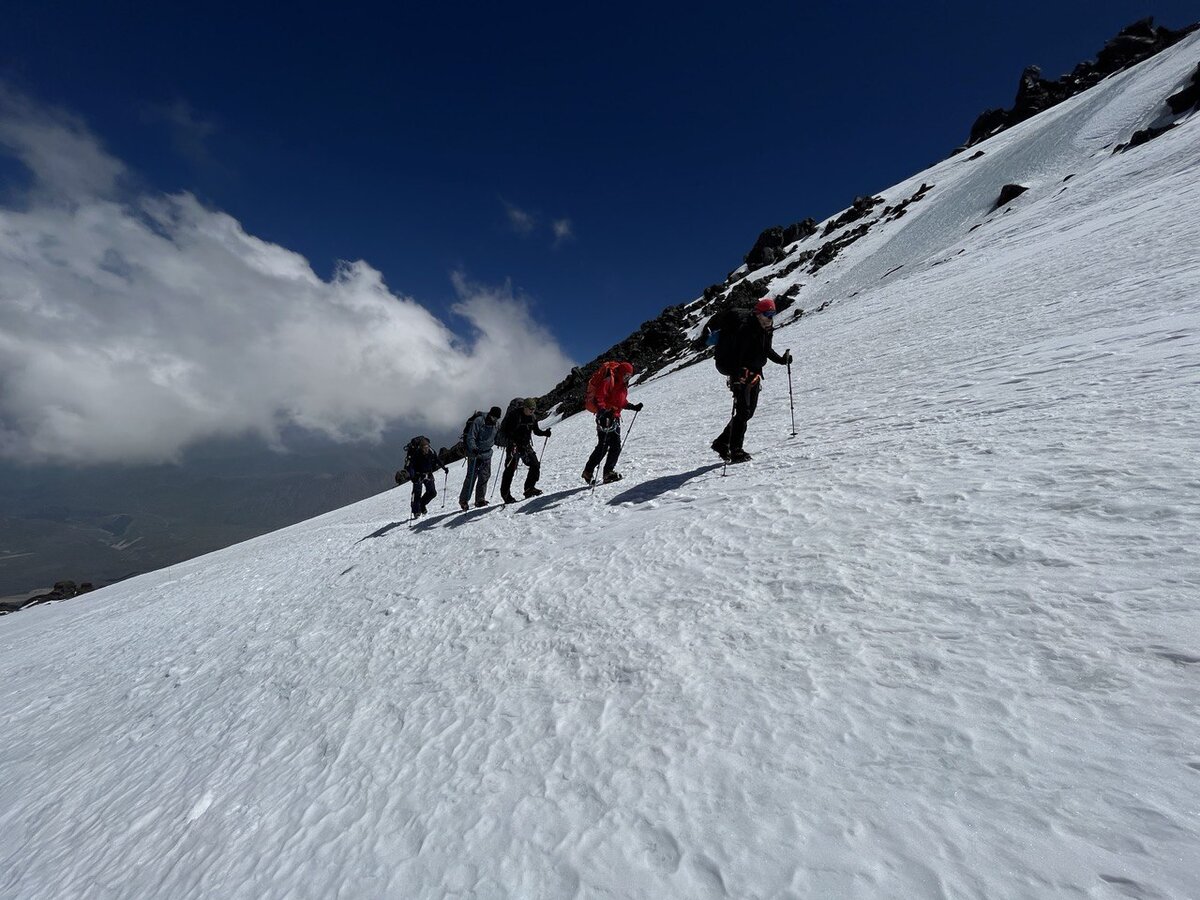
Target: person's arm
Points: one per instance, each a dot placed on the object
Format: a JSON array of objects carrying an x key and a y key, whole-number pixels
[{"x": 784, "y": 360}]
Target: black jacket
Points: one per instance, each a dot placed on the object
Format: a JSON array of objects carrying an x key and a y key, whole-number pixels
[
  {"x": 520, "y": 425},
  {"x": 422, "y": 463},
  {"x": 742, "y": 344}
]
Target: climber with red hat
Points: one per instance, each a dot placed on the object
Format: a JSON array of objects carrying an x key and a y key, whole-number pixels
[{"x": 743, "y": 348}]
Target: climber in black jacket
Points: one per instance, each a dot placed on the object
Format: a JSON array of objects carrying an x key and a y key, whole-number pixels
[{"x": 743, "y": 348}]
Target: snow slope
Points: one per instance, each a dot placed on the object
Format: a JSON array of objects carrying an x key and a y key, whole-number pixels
[{"x": 943, "y": 643}]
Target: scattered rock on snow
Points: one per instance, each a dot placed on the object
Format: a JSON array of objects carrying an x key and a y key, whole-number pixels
[{"x": 1008, "y": 193}]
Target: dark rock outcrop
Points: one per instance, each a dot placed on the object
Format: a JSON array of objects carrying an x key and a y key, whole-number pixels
[
  {"x": 859, "y": 208},
  {"x": 1134, "y": 43},
  {"x": 769, "y": 247},
  {"x": 1009, "y": 193},
  {"x": 1188, "y": 98},
  {"x": 62, "y": 590}
]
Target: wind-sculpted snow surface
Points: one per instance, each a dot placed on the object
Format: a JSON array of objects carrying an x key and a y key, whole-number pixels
[{"x": 944, "y": 643}]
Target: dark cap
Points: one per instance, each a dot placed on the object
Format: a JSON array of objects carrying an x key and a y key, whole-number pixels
[{"x": 494, "y": 412}]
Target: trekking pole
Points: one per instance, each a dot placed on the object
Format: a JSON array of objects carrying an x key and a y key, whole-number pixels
[
  {"x": 495, "y": 478},
  {"x": 791, "y": 398},
  {"x": 630, "y": 428},
  {"x": 445, "y": 486},
  {"x": 728, "y": 427},
  {"x": 544, "y": 443}
]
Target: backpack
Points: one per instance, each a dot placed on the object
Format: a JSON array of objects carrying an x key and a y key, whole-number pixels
[
  {"x": 596, "y": 386},
  {"x": 467, "y": 426},
  {"x": 725, "y": 350},
  {"x": 503, "y": 433},
  {"x": 410, "y": 448}
]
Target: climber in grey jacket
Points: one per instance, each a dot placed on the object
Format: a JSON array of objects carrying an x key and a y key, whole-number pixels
[{"x": 480, "y": 438}]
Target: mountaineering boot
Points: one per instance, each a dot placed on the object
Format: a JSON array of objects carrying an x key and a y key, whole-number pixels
[
  {"x": 464, "y": 505},
  {"x": 589, "y": 475},
  {"x": 720, "y": 449},
  {"x": 508, "y": 498},
  {"x": 480, "y": 504},
  {"x": 739, "y": 456},
  {"x": 532, "y": 492},
  {"x": 610, "y": 477}
]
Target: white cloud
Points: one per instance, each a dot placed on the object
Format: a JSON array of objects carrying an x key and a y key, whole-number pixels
[
  {"x": 520, "y": 221},
  {"x": 133, "y": 326},
  {"x": 562, "y": 231}
]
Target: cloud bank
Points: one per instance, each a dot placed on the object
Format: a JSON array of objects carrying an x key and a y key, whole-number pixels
[{"x": 134, "y": 324}]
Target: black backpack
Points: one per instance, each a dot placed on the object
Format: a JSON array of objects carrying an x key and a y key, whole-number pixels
[
  {"x": 411, "y": 447},
  {"x": 504, "y": 432}
]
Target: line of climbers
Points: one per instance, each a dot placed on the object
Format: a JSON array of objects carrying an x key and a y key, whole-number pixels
[{"x": 742, "y": 338}]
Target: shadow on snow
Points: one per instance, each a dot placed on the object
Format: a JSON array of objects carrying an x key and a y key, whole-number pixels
[
  {"x": 656, "y": 487},
  {"x": 549, "y": 501}
]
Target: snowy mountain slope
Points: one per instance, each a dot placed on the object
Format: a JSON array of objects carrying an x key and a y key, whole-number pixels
[{"x": 943, "y": 643}]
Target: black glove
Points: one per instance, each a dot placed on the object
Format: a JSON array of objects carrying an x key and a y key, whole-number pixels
[
  {"x": 701, "y": 343},
  {"x": 636, "y": 407},
  {"x": 787, "y": 357},
  {"x": 548, "y": 432}
]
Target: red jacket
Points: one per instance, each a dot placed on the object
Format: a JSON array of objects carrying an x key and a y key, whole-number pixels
[{"x": 613, "y": 394}]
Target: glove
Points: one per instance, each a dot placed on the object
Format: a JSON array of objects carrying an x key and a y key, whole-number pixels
[
  {"x": 636, "y": 407},
  {"x": 549, "y": 432},
  {"x": 787, "y": 357}
]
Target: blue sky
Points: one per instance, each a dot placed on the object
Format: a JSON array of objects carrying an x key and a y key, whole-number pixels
[{"x": 596, "y": 163}]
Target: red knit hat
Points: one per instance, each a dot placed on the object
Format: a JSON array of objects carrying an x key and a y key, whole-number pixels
[{"x": 765, "y": 305}]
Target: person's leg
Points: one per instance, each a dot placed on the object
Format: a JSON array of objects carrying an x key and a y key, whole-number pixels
[
  {"x": 613, "y": 450},
  {"x": 416, "y": 495},
  {"x": 430, "y": 491},
  {"x": 745, "y": 405},
  {"x": 483, "y": 474},
  {"x": 721, "y": 444},
  {"x": 737, "y": 425},
  {"x": 473, "y": 467},
  {"x": 594, "y": 460},
  {"x": 535, "y": 468},
  {"x": 510, "y": 469}
]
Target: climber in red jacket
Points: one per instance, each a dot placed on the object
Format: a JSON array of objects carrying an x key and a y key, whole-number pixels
[{"x": 607, "y": 396}]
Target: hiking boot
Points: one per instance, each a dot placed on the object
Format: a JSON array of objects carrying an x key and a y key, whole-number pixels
[
  {"x": 508, "y": 498},
  {"x": 610, "y": 477},
  {"x": 532, "y": 492},
  {"x": 464, "y": 505},
  {"x": 739, "y": 456},
  {"x": 589, "y": 476},
  {"x": 720, "y": 449},
  {"x": 480, "y": 504}
]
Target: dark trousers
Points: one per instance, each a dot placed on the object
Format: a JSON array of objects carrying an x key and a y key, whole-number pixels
[
  {"x": 479, "y": 470},
  {"x": 421, "y": 500},
  {"x": 512, "y": 456},
  {"x": 745, "y": 401},
  {"x": 608, "y": 442}
]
